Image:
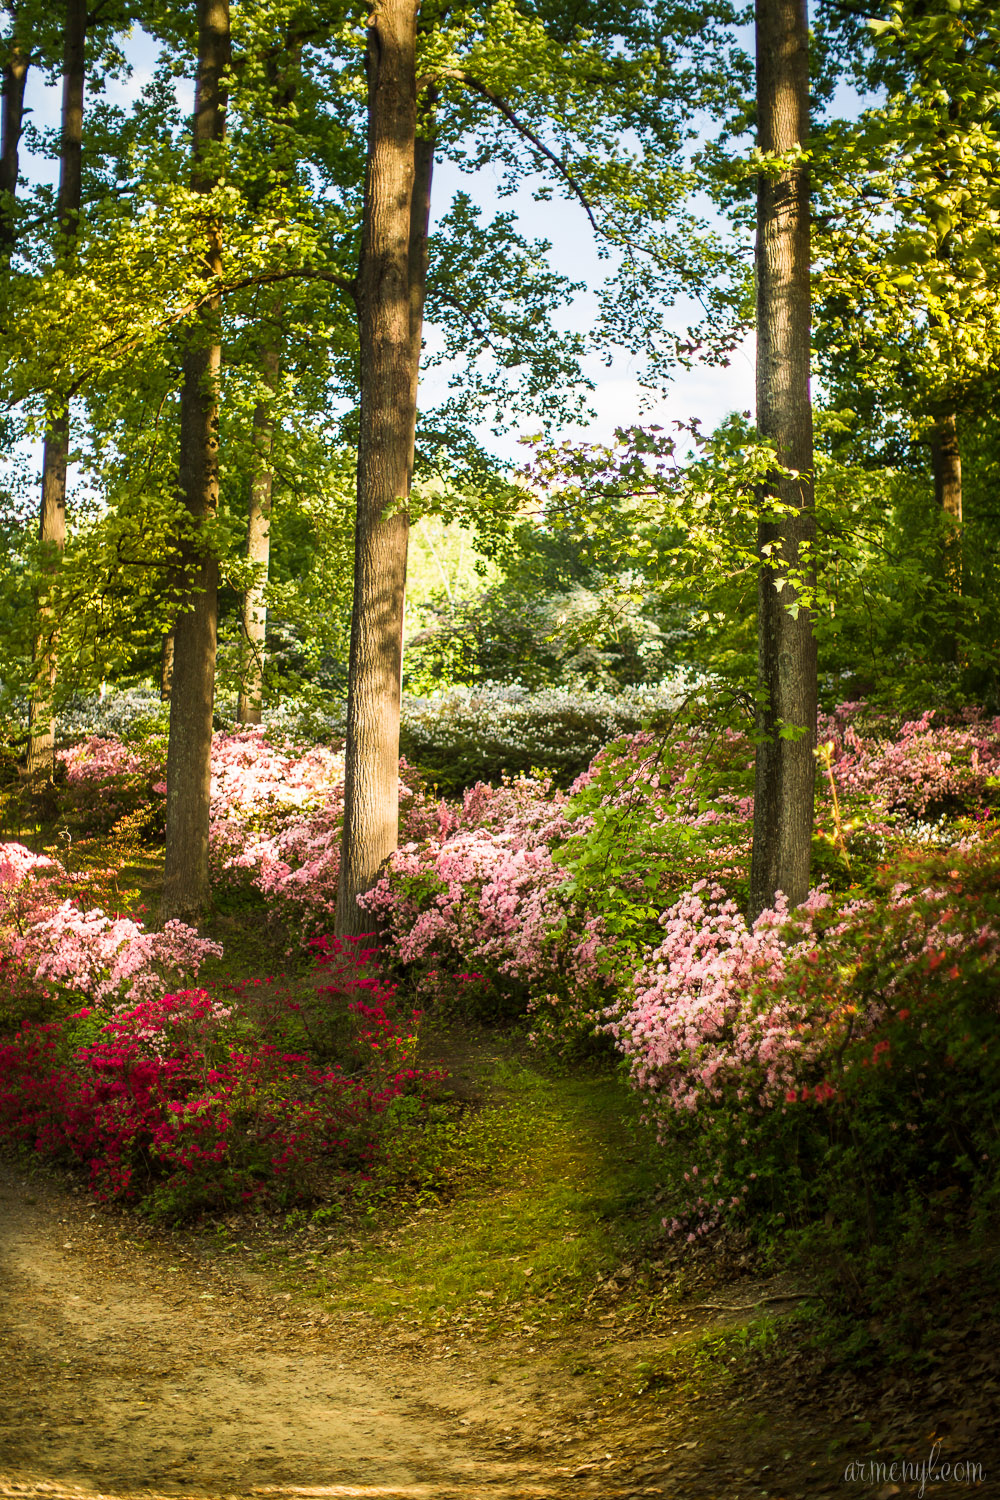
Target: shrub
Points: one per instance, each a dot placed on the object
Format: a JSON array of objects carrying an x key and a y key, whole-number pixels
[
  {"x": 485, "y": 894},
  {"x": 107, "y": 780},
  {"x": 196, "y": 1101},
  {"x": 51, "y": 947},
  {"x": 276, "y": 822},
  {"x": 846, "y": 1055},
  {"x": 463, "y": 737}
]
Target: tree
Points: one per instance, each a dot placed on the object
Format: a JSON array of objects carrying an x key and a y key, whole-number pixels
[
  {"x": 389, "y": 300},
  {"x": 16, "y": 60},
  {"x": 784, "y": 775},
  {"x": 282, "y": 77},
  {"x": 909, "y": 254},
  {"x": 55, "y": 455},
  {"x": 185, "y": 883}
]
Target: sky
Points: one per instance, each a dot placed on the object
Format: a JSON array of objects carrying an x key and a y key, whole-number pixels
[{"x": 705, "y": 393}]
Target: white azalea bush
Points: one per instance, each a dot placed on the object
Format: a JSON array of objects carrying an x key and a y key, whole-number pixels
[{"x": 467, "y": 735}]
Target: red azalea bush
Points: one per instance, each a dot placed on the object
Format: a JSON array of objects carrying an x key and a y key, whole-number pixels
[{"x": 196, "y": 1100}]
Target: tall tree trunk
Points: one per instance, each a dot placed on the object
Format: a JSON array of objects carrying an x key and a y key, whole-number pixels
[
  {"x": 786, "y": 718},
  {"x": 189, "y": 751},
  {"x": 946, "y": 461},
  {"x": 385, "y": 459},
  {"x": 166, "y": 666},
  {"x": 251, "y": 694},
  {"x": 15, "y": 77},
  {"x": 55, "y": 455}
]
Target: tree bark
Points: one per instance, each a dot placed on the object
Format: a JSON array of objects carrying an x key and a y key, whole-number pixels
[
  {"x": 251, "y": 695},
  {"x": 189, "y": 751},
  {"x": 946, "y": 463},
  {"x": 946, "y": 459},
  {"x": 166, "y": 666},
  {"x": 15, "y": 77},
  {"x": 387, "y": 310},
  {"x": 55, "y": 451},
  {"x": 786, "y": 716}
]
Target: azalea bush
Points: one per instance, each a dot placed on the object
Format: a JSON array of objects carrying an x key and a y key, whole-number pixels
[
  {"x": 202, "y": 1099},
  {"x": 276, "y": 822},
  {"x": 57, "y": 952},
  {"x": 844, "y": 1042},
  {"x": 556, "y": 898},
  {"x": 478, "y": 914},
  {"x": 835, "y": 1061},
  {"x": 106, "y": 779},
  {"x": 914, "y": 768},
  {"x": 612, "y": 910},
  {"x": 464, "y": 736}
]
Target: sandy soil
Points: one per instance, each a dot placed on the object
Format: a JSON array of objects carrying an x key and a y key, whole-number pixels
[{"x": 154, "y": 1371}]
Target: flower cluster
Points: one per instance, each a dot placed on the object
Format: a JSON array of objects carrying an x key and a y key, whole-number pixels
[
  {"x": 922, "y": 765},
  {"x": 484, "y": 892},
  {"x": 276, "y": 820},
  {"x": 706, "y": 1016}
]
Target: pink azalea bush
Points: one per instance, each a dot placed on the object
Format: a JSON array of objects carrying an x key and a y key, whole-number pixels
[
  {"x": 696, "y": 1023},
  {"x": 858, "y": 1056},
  {"x": 922, "y": 764},
  {"x": 481, "y": 903},
  {"x": 277, "y": 816},
  {"x": 107, "y": 779},
  {"x": 50, "y": 945},
  {"x": 195, "y": 1099}
]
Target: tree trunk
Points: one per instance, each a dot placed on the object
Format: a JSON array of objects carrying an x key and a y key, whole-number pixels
[
  {"x": 251, "y": 694},
  {"x": 189, "y": 751},
  {"x": 55, "y": 453},
  {"x": 386, "y": 312},
  {"x": 15, "y": 77},
  {"x": 946, "y": 460},
  {"x": 786, "y": 716},
  {"x": 166, "y": 666}
]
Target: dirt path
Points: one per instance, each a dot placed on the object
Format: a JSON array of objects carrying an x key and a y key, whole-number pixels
[
  {"x": 150, "y": 1371},
  {"x": 127, "y": 1373}
]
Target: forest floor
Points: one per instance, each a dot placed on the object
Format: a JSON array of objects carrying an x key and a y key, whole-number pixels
[{"x": 470, "y": 1348}]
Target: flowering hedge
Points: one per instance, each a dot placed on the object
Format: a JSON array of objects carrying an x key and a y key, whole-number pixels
[
  {"x": 808, "y": 1038},
  {"x": 614, "y": 909},
  {"x": 464, "y": 736}
]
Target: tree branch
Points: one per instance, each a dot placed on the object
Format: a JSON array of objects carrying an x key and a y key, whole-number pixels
[{"x": 458, "y": 76}]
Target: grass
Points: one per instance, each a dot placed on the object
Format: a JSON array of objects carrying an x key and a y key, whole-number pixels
[{"x": 516, "y": 1211}]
